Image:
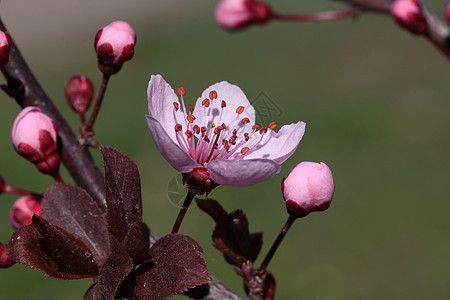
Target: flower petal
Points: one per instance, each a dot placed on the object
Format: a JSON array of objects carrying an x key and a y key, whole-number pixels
[
  {"x": 161, "y": 97},
  {"x": 233, "y": 97},
  {"x": 279, "y": 146},
  {"x": 238, "y": 173},
  {"x": 176, "y": 157}
]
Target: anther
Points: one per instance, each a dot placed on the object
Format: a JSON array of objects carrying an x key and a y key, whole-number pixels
[
  {"x": 226, "y": 145},
  {"x": 206, "y": 139},
  {"x": 240, "y": 110},
  {"x": 223, "y": 126},
  {"x": 254, "y": 127},
  {"x": 272, "y": 125},
  {"x": 176, "y": 106},
  {"x": 245, "y": 121},
  {"x": 188, "y": 133},
  {"x": 217, "y": 130},
  {"x": 190, "y": 118},
  {"x": 178, "y": 128},
  {"x": 213, "y": 95},
  {"x": 206, "y": 102},
  {"x": 223, "y": 104},
  {"x": 246, "y": 136},
  {"x": 203, "y": 130},
  {"x": 263, "y": 130},
  {"x": 234, "y": 131},
  {"x": 181, "y": 91},
  {"x": 244, "y": 150},
  {"x": 196, "y": 129},
  {"x": 213, "y": 125},
  {"x": 191, "y": 108}
]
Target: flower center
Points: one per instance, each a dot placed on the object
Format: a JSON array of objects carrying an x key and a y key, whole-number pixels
[{"x": 205, "y": 141}]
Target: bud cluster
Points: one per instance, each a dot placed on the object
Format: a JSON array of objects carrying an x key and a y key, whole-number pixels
[{"x": 236, "y": 14}]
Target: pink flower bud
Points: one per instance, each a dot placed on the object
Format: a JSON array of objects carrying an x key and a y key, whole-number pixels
[
  {"x": 34, "y": 136},
  {"x": 79, "y": 91},
  {"x": 23, "y": 210},
  {"x": 309, "y": 187},
  {"x": 408, "y": 14},
  {"x": 114, "y": 45},
  {"x": 5, "y": 261},
  {"x": 236, "y": 14},
  {"x": 4, "y": 48}
]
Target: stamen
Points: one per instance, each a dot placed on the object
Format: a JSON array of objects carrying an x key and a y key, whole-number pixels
[
  {"x": 254, "y": 127},
  {"x": 206, "y": 102},
  {"x": 223, "y": 104},
  {"x": 203, "y": 130},
  {"x": 175, "y": 104},
  {"x": 240, "y": 110},
  {"x": 191, "y": 108},
  {"x": 245, "y": 150},
  {"x": 190, "y": 118},
  {"x": 213, "y": 125},
  {"x": 245, "y": 121},
  {"x": 196, "y": 129},
  {"x": 206, "y": 139},
  {"x": 178, "y": 128},
  {"x": 246, "y": 136},
  {"x": 181, "y": 91},
  {"x": 213, "y": 95},
  {"x": 272, "y": 125},
  {"x": 226, "y": 145},
  {"x": 263, "y": 130},
  {"x": 188, "y": 133},
  {"x": 223, "y": 126}
]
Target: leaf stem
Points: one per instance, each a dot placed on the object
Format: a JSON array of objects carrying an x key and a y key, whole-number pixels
[
  {"x": 183, "y": 210},
  {"x": 277, "y": 243}
]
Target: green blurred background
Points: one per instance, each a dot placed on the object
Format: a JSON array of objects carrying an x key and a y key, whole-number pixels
[{"x": 377, "y": 107}]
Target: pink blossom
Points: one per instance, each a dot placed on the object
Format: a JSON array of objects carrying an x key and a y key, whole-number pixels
[
  {"x": 23, "y": 210},
  {"x": 235, "y": 14},
  {"x": 34, "y": 136},
  {"x": 4, "y": 48},
  {"x": 217, "y": 139},
  {"x": 309, "y": 187},
  {"x": 408, "y": 14},
  {"x": 114, "y": 45}
]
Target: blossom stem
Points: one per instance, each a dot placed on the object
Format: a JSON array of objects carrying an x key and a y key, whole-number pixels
[
  {"x": 98, "y": 103},
  {"x": 190, "y": 195},
  {"x": 12, "y": 190},
  {"x": 321, "y": 16},
  {"x": 57, "y": 177},
  {"x": 277, "y": 243}
]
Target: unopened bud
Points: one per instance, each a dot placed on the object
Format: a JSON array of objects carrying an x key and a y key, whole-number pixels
[
  {"x": 408, "y": 14},
  {"x": 114, "y": 45},
  {"x": 4, "y": 48},
  {"x": 79, "y": 91},
  {"x": 5, "y": 261},
  {"x": 23, "y": 210},
  {"x": 309, "y": 187},
  {"x": 236, "y": 14},
  {"x": 34, "y": 136}
]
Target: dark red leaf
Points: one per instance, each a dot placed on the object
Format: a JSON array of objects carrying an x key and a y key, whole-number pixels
[
  {"x": 72, "y": 209},
  {"x": 93, "y": 293},
  {"x": 52, "y": 250},
  {"x": 114, "y": 270},
  {"x": 231, "y": 235},
  {"x": 124, "y": 205},
  {"x": 175, "y": 265}
]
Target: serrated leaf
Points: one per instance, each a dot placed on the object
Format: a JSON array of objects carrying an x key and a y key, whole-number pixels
[
  {"x": 114, "y": 270},
  {"x": 175, "y": 265},
  {"x": 124, "y": 205},
  {"x": 72, "y": 209},
  {"x": 231, "y": 235},
  {"x": 53, "y": 251}
]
